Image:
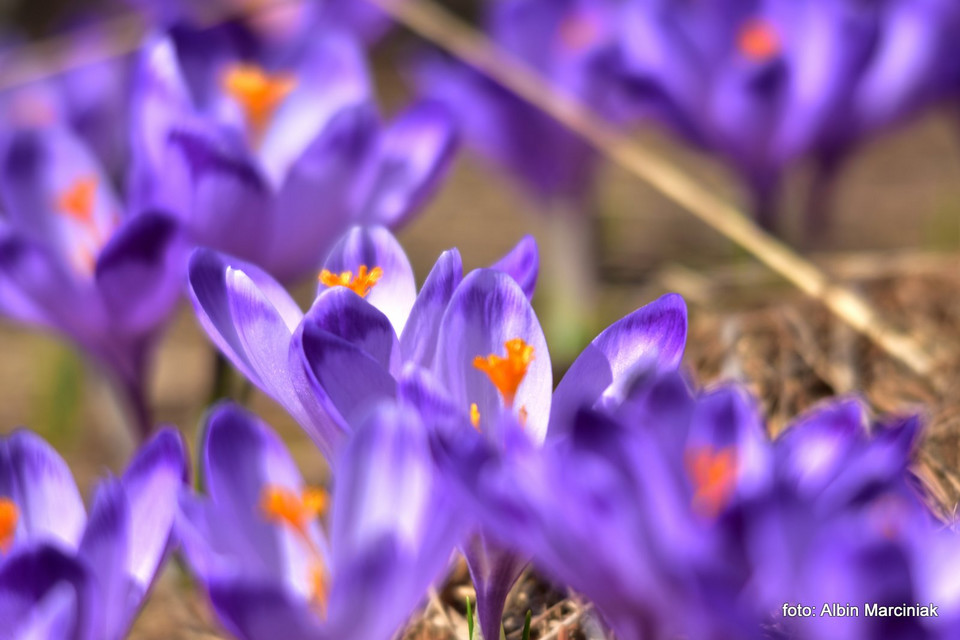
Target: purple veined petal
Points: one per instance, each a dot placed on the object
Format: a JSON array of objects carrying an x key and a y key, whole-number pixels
[
  {"x": 55, "y": 191},
  {"x": 393, "y": 530},
  {"x": 493, "y": 571},
  {"x": 251, "y": 319},
  {"x": 395, "y": 292},
  {"x": 315, "y": 205},
  {"x": 37, "y": 574},
  {"x": 332, "y": 76},
  {"x": 344, "y": 314},
  {"x": 815, "y": 446},
  {"x": 418, "y": 389},
  {"x": 488, "y": 309},
  {"x": 412, "y": 157},
  {"x": 418, "y": 342},
  {"x": 242, "y": 457},
  {"x": 652, "y": 337},
  {"x": 347, "y": 381},
  {"x": 264, "y": 611},
  {"x": 39, "y": 482},
  {"x": 152, "y": 484},
  {"x": 140, "y": 272},
  {"x": 522, "y": 263},
  {"x": 227, "y": 199},
  {"x": 105, "y": 547}
]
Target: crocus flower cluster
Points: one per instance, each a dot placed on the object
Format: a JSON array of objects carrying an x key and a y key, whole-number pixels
[
  {"x": 65, "y": 574},
  {"x": 677, "y": 516}
]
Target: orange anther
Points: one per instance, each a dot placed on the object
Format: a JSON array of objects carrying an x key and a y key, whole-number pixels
[
  {"x": 284, "y": 506},
  {"x": 360, "y": 285},
  {"x": 78, "y": 201},
  {"x": 507, "y": 373},
  {"x": 758, "y": 40},
  {"x": 9, "y": 517},
  {"x": 258, "y": 93},
  {"x": 475, "y": 415},
  {"x": 714, "y": 477}
]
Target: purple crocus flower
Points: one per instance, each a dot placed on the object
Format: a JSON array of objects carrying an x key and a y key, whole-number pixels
[
  {"x": 271, "y": 154},
  {"x": 678, "y": 517},
  {"x": 270, "y": 571},
  {"x": 64, "y": 574},
  {"x": 467, "y": 351},
  {"x": 74, "y": 262},
  {"x": 765, "y": 83}
]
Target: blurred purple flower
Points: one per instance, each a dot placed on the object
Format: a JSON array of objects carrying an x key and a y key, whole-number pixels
[
  {"x": 572, "y": 43},
  {"x": 269, "y": 570},
  {"x": 90, "y": 98},
  {"x": 270, "y": 155},
  {"x": 74, "y": 262},
  {"x": 678, "y": 517},
  {"x": 765, "y": 83},
  {"x": 64, "y": 575}
]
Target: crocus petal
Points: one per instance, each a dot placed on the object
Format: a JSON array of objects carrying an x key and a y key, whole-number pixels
[
  {"x": 347, "y": 381},
  {"x": 261, "y": 611},
  {"x": 412, "y": 157},
  {"x": 152, "y": 483},
  {"x": 105, "y": 548},
  {"x": 242, "y": 457},
  {"x": 488, "y": 309},
  {"x": 53, "y": 617},
  {"x": 37, "y": 479},
  {"x": 140, "y": 271},
  {"x": 226, "y": 198},
  {"x": 375, "y": 247},
  {"x": 393, "y": 530},
  {"x": 30, "y": 576},
  {"x": 418, "y": 343},
  {"x": 652, "y": 337},
  {"x": 344, "y": 314},
  {"x": 316, "y": 203},
  {"x": 37, "y": 168},
  {"x": 522, "y": 263},
  {"x": 494, "y": 571},
  {"x": 332, "y": 76}
]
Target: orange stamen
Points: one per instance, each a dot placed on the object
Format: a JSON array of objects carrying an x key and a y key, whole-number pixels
[
  {"x": 286, "y": 507},
  {"x": 758, "y": 40},
  {"x": 360, "y": 285},
  {"x": 475, "y": 415},
  {"x": 258, "y": 93},
  {"x": 507, "y": 373},
  {"x": 714, "y": 477},
  {"x": 78, "y": 201},
  {"x": 9, "y": 517}
]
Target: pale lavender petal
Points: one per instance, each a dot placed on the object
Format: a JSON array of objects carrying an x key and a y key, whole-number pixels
[
  {"x": 152, "y": 484},
  {"x": 418, "y": 343},
  {"x": 522, "y": 263},
  {"x": 39, "y": 482},
  {"x": 652, "y": 337},
  {"x": 374, "y": 247},
  {"x": 488, "y": 309},
  {"x": 105, "y": 548}
]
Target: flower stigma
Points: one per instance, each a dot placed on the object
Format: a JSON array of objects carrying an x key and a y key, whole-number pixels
[
  {"x": 78, "y": 203},
  {"x": 714, "y": 477},
  {"x": 9, "y": 517},
  {"x": 360, "y": 285},
  {"x": 758, "y": 40},
  {"x": 258, "y": 93},
  {"x": 506, "y": 373},
  {"x": 283, "y": 506}
]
